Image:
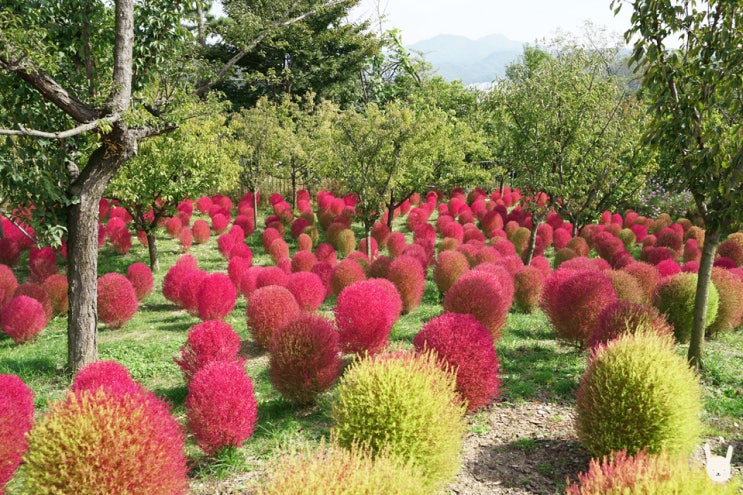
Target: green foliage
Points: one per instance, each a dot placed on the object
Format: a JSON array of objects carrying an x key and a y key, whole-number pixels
[
  {"x": 333, "y": 470},
  {"x": 674, "y": 298},
  {"x": 637, "y": 394},
  {"x": 404, "y": 405}
]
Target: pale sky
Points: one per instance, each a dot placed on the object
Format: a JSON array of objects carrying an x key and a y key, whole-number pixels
[{"x": 519, "y": 20}]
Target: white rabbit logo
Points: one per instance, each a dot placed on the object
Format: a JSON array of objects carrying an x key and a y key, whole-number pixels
[{"x": 718, "y": 467}]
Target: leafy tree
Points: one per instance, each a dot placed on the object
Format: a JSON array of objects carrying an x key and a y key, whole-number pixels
[
  {"x": 566, "y": 131},
  {"x": 689, "y": 56},
  {"x": 194, "y": 159}
]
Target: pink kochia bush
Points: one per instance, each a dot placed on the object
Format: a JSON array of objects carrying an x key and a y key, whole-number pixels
[
  {"x": 364, "y": 316},
  {"x": 216, "y": 297},
  {"x": 117, "y": 300},
  {"x": 483, "y": 295},
  {"x": 346, "y": 273},
  {"x": 464, "y": 345},
  {"x": 221, "y": 409},
  {"x": 269, "y": 308},
  {"x": 175, "y": 276},
  {"x": 308, "y": 289},
  {"x": 624, "y": 317},
  {"x": 22, "y": 318},
  {"x": 37, "y": 292},
  {"x": 8, "y": 284},
  {"x": 109, "y": 375},
  {"x": 410, "y": 279},
  {"x": 305, "y": 359},
  {"x": 188, "y": 294},
  {"x": 16, "y": 419},
  {"x": 141, "y": 278},
  {"x": 207, "y": 342}
]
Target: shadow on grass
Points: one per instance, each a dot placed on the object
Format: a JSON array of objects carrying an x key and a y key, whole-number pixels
[
  {"x": 175, "y": 395},
  {"x": 537, "y": 465},
  {"x": 47, "y": 366}
]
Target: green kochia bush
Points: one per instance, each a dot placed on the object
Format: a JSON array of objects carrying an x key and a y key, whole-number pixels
[
  {"x": 674, "y": 297},
  {"x": 403, "y": 404},
  {"x": 334, "y": 470},
  {"x": 637, "y": 393},
  {"x": 645, "y": 474}
]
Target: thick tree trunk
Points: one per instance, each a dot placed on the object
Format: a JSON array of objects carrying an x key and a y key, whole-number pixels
[
  {"x": 152, "y": 249},
  {"x": 711, "y": 241},
  {"x": 529, "y": 254}
]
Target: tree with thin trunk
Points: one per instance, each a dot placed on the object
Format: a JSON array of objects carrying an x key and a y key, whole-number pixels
[{"x": 690, "y": 59}]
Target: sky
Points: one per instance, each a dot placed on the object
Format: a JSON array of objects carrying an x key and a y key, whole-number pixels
[{"x": 519, "y": 20}]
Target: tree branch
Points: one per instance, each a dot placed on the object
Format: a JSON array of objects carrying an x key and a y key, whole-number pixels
[{"x": 22, "y": 131}]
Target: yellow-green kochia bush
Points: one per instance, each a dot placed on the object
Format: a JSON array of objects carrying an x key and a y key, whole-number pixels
[
  {"x": 674, "y": 297},
  {"x": 333, "y": 470},
  {"x": 406, "y": 405},
  {"x": 637, "y": 393},
  {"x": 105, "y": 441}
]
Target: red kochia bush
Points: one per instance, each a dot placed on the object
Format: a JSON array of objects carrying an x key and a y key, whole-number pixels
[
  {"x": 464, "y": 345},
  {"x": 380, "y": 267},
  {"x": 345, "y": 273},
  {"x": 271, "y": 275},
  {"x": 56, "y": 287},
  {"x": 22, "y": 318},
  {"x": 364, "y": 317},
  {"x": 396, "y": 243},
  {"x": 42, "y": 263},
  {"x": 269, "y": 308},
  {"x": 188, "y": 294},
  {"x": 109, "y": 375},
  {"x": 449, "y": 266},
  {"x": 37, "y": 292},
  {"x": 324, "y": 270},
  {"x": 730, "y": 308},
  {"x": 201, "y": 231},
  {"x": 481, "y": 294},
  {"x": 410, "y": 279},
  {"x": 303, "y": 261},
  {"x": 10, "y": 252},
  {"x": 173, "y": 225},
  {"x": 216, "y": 297},
  {"x": 308, "y": 289},
  {"x": 117, "y": 300},
  {"x": 578, "y": 303},
  {"x": 207, "y": 342},
  {"x": 174, "y": 278},
  {"x": 141, "y": 278},
  {"x": 528, "y": 283},
  {"x": 278, "y": 250},
  {"x": 221, "y": 409},
  {"x": 236, "y": 268},
  {"x": 16, "y": 419},
  {"x": 305, "y": 359},
  {"x": 8, "y": 284},
  {"x": 647, "y": 276}
]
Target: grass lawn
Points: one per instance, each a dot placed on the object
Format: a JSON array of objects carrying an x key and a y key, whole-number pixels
[{"x": 534, "y": 366}]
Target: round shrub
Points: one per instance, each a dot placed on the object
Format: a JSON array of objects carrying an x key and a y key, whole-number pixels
[
  {"x": 380, "y": 267},
  {"x": 405, "y": 405},
  {"x": 577, "y": 303},
  {"x": 647, "y": 276},
  {"x": 201, "y": 231},
  {"x": 8, "y": 285},
  {"x": 221, "y": 410},
  {"x": 667, "y": 268},
  {"x": 527, "y": 284},
  {"x": 625, "y": 317},
  {"x": 395, "y": 244},
  {"x": 462, "y": 344},
  {"x": 670, "y": 239},
  {"x": 174, "y": 278},
  {"x": 563, "y": 255},
  {"x": 730, "y": 309},
  {"x": 141, "y": 278},
  {"x": 240, "y": 250},
  {"x": 346, "y": 273},
  {"x": 619, "y": 474},
  {"x": 109, "y": 375},
  {"x": 542, "y": 264},
  {"x": 117, "y": 300},
  {"x": 37, "y": 292},
  {"x": 449, "y": 266},
  {"x": 173, "y": 225},
  {"x": 364, "y": 315},
  {"x": 607, "y": 245},
  {"x": 188, "y": 295},
  {"x": 278, "y": 250},
  {"x": 520, "y": 239},
  {"x": 325, "y": 252},
  {"x": 225, "y": 243},
  {"x": 305, "y": 359},
  {"x": 207, "y": 342},
  {"x": 216, "y": 297},
  {"x": 409, "y": 279},
  {"x": 324, "y": 270},
  {"x": 626, "y": 286},
  {"x": 16, "y": 420},
  {"x": 482, "y": 295},
  {"x": 308, "y": 289},
  {"x": 122, "y": 443},
  {"x": 731, "y": 249},
  {"x": 270, "y": 275},
  {"x": 395, "y": 303},
  {"x": 579, "y": 245},
  {"x": 236, "y": 268},
  {"x": 22, "y": 318},
  {"x": 335, "y": 470},
  {"x": 637, "y": 393},
  {"x": 303, "y": 261},
  {"x": 269, "y": 308},
  {"x": 345, "y": 242},
  {"x": 674, "y": 298},
  {"x": 56, "y": 287},
  {"x": 42, "y": 263},
  {"x": 10, "y": 252}
]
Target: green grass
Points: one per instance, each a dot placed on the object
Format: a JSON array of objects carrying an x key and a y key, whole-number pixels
[{"x": 534, "y": 367}]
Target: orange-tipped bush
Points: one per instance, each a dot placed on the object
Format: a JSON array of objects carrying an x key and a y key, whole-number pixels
[
  {"x": 207, "y": 342},
  {"x": 16, "y": 420},
  {"x": 449, "y": 266},
  {"x": 395, "y": 244},
  {"x": 625, "y": 317},
  {"x": 674, "y": 298},
  {"x": 647, "y": 276},
  {"x": 141, "y": 278},
  {"x": 463, "y": 344},
  {"x": 278, "y": 250},
  {"x": 482, "y": 295},
  {"x": 730, "y": 309},
  {"x": 528, "y": 283},
  {"x": 345, "y": 273},
  {"x": 410, "y": 279},
  {"x": 626, "y": 286},
  {"x": 305, "y": 359},
  {"x": 56, "y": 287},
  {"x": 221, "y": 410},
  {"x": 303, "y": 261},
  {"x": 269, "y": 308}
]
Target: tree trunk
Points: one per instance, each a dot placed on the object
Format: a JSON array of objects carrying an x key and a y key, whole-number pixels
[
  {"x": 390, "y": 210},
  {"x": 255, "y": 208},
  {"x": 294, "y": 191},
  {"x": 711, "y": 241},
  {"x": 529, "y": 254},
  {"x": 152, "y": 250}
]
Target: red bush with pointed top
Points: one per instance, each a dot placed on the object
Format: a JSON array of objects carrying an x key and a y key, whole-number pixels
[
  {"x": 173, "y": 226},
  {"x": 482, "y": 295},
  {"x": 269, "y": 308},
  {"x": 117, "y": 300},
  {"x": 221, "y": 410},
  {"x": 141, "y": 278},
  {"x": 207, "y": 342},
  {"x": 305, "y": 358},
  {"x": 364, "y": 317},
  {"x": 396, "y": 242},
  {"x": 303, "y": 261},
  {"x": 464, "y": 345},
  {"x": 16, "y": 420}
]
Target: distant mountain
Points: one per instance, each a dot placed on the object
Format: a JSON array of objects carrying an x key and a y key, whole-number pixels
[{"x": 472, "y": 61}]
